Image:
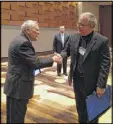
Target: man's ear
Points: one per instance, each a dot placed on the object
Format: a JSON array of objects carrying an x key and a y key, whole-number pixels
[{"x": 27, "y": 31}]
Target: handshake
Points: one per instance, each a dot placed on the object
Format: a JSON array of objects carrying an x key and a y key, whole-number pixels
[{"x": 57, "y": 58}]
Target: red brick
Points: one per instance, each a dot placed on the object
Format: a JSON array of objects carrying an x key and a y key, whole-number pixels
[
  {"x": 35, "y": 3},
  {"x": 31, "y": 11},
  {"x": 21, "y": 3},
  {"x": 47, "y": 14},
  {"x": 41, "y": 18},
  {"x": 6, "y": 16},
  {"x": 58, "y": 12},
  {"x": 55, "y": 23},
  {"x": 31, "y": 14},
  {"x": 5, "y": 22},
  {"x": 43, "y": 24},
  {"x": 58, "y": 3},
  {"x": 53, "y": 13},
  {"x": 21, "y": 8},
  {"x": 5, "y": 5},
  {"x": 48, "y": 6},
  {"x": 29, "y": 4},
  {"x": 21, "y": 13},
  {"x": 72, "y": 8},
  {"x": 5, "y": 11},
  {"x": 65, "y": 10},
  {"x": 14, "y": 6},
  {"x": 65, "y": 4},
  {"x": 15, "y": 17},
  {"x": 16, "y": 23},
  {"x": 57, "y": 18},
  {"x": 22, "y": 18},
  {"x": 51, "y": 3},
  {"x": 41, "y": 10},
  {"x": 51, "y": 17},
  {"x": 35, "y": 6},
  {"x": 41, "y": 3},
  {"x": 51, "y": 25},
  {"x": 12, "y": 12},
  {"x": 47, "y": 21}
]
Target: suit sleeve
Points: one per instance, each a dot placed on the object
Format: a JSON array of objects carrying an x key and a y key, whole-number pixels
[
  {"x": 28, "y": 55},
  {"x": 104, "y": 65},
  {"x": 54, "y": 44}
]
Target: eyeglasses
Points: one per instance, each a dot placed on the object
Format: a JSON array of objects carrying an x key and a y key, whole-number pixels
[{"x": 82, "y": 25}]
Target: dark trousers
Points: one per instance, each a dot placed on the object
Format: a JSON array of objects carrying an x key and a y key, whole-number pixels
[
  {"x": 59, "y": 66},
  {"x": 80, "y": 96},
  {"x": 16, "y": 110}
]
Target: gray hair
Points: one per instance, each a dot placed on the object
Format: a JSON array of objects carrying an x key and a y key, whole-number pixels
[
  {"x": 91, "y": 18},
  {"x": 28, "y": 24}
]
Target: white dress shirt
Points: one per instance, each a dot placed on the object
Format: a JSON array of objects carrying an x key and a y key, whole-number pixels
[{"x": 62, "y": 38}]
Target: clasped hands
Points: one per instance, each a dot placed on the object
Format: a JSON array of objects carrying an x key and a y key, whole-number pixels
[{"x": 57, "y": 58}]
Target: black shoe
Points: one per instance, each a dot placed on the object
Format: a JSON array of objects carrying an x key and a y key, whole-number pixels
[
  {"x": 59, "y": 74},
  {"x": 65, "y": 74}
]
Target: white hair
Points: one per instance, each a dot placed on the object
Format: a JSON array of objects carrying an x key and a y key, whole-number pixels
[
  {"x": 28, "y": 24},
  {"x": 91, "y": 18}
]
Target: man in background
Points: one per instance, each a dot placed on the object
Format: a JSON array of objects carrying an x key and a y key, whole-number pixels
[
  {"x": 59, "y": 43},
  {"x": 90, "y": 62},
  {"x": 22, "y": 61}
]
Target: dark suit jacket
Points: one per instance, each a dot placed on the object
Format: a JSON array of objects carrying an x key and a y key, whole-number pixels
[
  {"x": 96, "y": 62},
  {"x": 57, "y": 43},
  {"x": 22, "y": 61}
]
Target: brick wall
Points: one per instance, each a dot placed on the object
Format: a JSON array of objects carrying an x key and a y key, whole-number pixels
[{"x": 48, "y": 14}]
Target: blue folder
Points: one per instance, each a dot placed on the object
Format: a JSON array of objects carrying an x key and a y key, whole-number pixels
[{"x": 98, "y": 105}]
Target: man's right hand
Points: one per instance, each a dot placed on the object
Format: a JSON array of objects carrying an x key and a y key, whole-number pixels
[{"x": 57, "y": 58}]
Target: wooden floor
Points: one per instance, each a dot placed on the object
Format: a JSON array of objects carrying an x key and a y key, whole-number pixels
[{"x": 53, "y": 100}]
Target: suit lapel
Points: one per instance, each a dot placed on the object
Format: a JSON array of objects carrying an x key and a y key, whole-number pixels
[
  {"x": 76, "y": 40},
  {"x": 90, "y": 46},
  {"x": 65, "y": 36},
  {"x": 59, "y": 36}
]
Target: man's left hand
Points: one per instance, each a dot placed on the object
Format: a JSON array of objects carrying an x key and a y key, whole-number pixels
[{"x": 100, "y": 91}]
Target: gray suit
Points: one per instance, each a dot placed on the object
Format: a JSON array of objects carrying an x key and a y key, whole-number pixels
[
  {"x": 58, "y": 47},
  {"x": 95, "y": 63},
  {"x": 22, "y": 61}
]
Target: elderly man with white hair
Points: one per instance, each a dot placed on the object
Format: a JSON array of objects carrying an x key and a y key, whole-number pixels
[
  {"x": 22, "y": 61},
  {"x": 90, "y": 62}
]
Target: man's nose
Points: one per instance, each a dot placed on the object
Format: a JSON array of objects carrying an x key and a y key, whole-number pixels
[{"x": 38, "y": 32}]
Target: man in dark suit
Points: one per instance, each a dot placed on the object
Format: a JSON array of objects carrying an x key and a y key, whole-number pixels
[
  {"x": 90, "y": 62},
  {"x": 22, "y": 62},
  {"x": 59, "y": 43}
]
